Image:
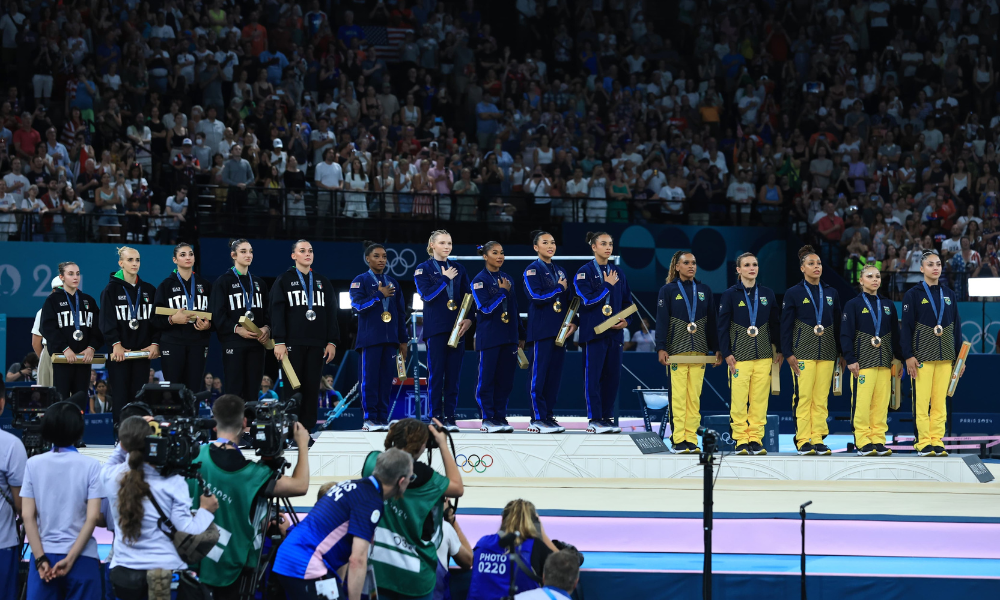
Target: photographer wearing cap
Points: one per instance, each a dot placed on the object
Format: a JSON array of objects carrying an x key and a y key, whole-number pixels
[
  {"x": 61, "y": 503},
  {"x": 131, "y": 485},
  {"x": 238, "y": 483},
  {"x": 409, "y": 568},
  {"x": 12, "y": 460},
  {"x": 560, "y": 577}
]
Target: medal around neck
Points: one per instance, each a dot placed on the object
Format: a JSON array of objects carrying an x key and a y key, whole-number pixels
[
  {"x": 876, "y": 342},
  {"x": 133, "y": 324},
  {"x": 310, "y": 315},
  {"x": 386, "y": 316},
  {"x": 938, "y": 330},
  {"x": 557, "y": 306},
  {"x": 607, "y": 310},
  {"x": 692, "y": 327},
  {"x": 452, "y": 305},
  {"x": 505, "y": 318},
  {"x": 249, "y": 315},
  {"x": 752, "y": 331},
  {"x": 819, "y": 329},
  {"x": 78, "y": 335}
]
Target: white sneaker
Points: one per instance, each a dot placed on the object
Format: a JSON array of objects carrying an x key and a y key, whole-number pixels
[
  {"x": 507, "y": 428},
  {"x": 614, "y": 428},
  {"x": 491, "y": 427},
  {"x": 556, "y": 424},
  {"x": 599, "y": 427},
  {"x": 371, "y": 426},
  {"x": 541, "y": 427}
]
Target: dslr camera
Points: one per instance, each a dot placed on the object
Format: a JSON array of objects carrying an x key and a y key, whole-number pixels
[{"x": 273, "y": 423}]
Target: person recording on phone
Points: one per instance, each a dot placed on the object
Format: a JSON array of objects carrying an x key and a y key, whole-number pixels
[
  {"x": 415, "y": 519},
  {"x": 239, "y": 483},
  {"x": 131, "y": 486},
  {"x": 12, "y": 460},
  {"x": 61, "y": 503}
]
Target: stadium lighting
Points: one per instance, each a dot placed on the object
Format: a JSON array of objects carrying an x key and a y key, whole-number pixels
[
  {"x": 345, "y": 301},
  {"x": 984, "y": 287},
  {"x": 418, "y": 304}
]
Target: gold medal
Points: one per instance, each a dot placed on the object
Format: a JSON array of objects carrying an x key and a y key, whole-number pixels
[
  {"x": 452, "y": 305},
  {"x": 692, "y": 328},
  {"x": 386, "y": 316},
  {"x": 876, "y": 342},
  {"x": 752, "y": 331},
  {"x": 819, "y": 329},
  {"x": 557, "y": 306},
  {"x": 607, "y": 310},
  {"x": 938, "y": 330},
  {"x": 505, "y": 318}
]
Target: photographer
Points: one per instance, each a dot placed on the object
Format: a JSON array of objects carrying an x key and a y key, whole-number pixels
[
  {"x": 61, "y": 503},
  {"x": 140, "y": 544},
  {"x": 12, "y": 459},
  {"x": 239, "y": 482},
  {"x": 326, "y": 555},
  {"x": 560, "y": 577},
  {"x": 415, "y": 519},
  {"x": 489, "y": 579}
]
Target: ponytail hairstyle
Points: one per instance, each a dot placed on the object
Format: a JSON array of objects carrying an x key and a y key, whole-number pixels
[
  {"x": 805, "y": 251},
  {"x": 485, "y": 248},
  {"x": 672, "y": 272},
  {"x": 520, "y": 516},
  {"x": 434, "y": 235},
  {"x": 739, "y": 259},
  {"x": 370, "y": 247},
  {"x": 122, "y": 250},
  {"x": 408, "y": 435},
  {"x": 927, "y": 254},
  {"x": 297, "y": 242},
  {"x": 535, "y": 235},
  {"x": 234, "y": 245},
  {"x": 132, "y": 487},
  {"x": 593, "y": 236},
  {"x": 864, "y": 269},
  {"x": 178, "y": 247},
  {"x": 63, "y": 265}
]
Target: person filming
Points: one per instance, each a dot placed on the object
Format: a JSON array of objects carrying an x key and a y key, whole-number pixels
[
  {"x": 131, "y": 486},
  {"x": 61, "y": 502},
  {"x": 240, "y": 482}
]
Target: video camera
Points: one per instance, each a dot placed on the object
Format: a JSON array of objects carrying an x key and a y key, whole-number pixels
[
  {"x": 28, "y": 404},
  {"x": 273, "y": 423},
  {"x": 176, "y": 430}
]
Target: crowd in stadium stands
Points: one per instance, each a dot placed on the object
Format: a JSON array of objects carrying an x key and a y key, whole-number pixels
[{"x": 869, "y": 127}]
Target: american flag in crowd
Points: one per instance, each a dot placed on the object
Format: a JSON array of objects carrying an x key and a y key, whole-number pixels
[{"x": 386, "y": 40}]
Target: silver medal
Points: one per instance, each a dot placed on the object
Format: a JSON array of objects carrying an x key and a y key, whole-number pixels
[
  {"x": 78, "y": 335},
  {"x": 133, "y": 324},
  {"x": 249, "y": 315},
  {"x": 310, "y": 315}
]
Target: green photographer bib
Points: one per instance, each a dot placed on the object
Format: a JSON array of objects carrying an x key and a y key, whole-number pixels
[
  {"x": 404, "y": 563},
  {"x": 240, "y": 540}
]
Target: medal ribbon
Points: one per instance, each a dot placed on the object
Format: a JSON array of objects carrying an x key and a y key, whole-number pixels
[
  {"x": 302, "y": 280},
  {"x": 817, "y": 306},
  {"x": 76, "y": 308},
  {"x": 752, "y": 307},
  {"x": 133, "y": 311},
  {"x": 247, "y": 298},
  {"x": 692, "y": 305},
  {"x": 191, "y": 304},
  {"x": 600, "y": 279},
  {"x": 938, "y": 315},
  {"x": 450, "y": 288},
  {"x": 385, "y": 301},
  {"x": 876, "y": 314}
]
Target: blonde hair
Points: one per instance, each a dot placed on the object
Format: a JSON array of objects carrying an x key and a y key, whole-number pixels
[
  {"x": 122, "y": 250},
  {"x": 520, "y": 516},
  {"x": 325, "y": 489},
  {"x": 434, "y": 235},
  {"x": 739, "y": 259},
  {"x": 864, "y": 269}
]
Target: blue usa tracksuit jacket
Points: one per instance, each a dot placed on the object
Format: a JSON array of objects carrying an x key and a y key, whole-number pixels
[
  {"x": 378, "y": 342},
  {"x": 496, "y": 342},
  {"x": 602, "y": 353},
  {"x": 541, "y": 285},
  {"x": 444, "y": 364}
]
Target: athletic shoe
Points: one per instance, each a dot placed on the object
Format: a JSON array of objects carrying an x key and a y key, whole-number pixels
[
  {"x": 743, "y": 450},
  {"x": 599, "y": 426},
  {"x": 506, "y": 426},
  {"x": 807, "y": 449},
  {"x": 693, "y": 448},
  {"x": 552, "y": 422},
  {"x": 881, "y": 450},
  {"x": 370, "y": 426},
  {"x": 867, "y": 450},
  {"x": 491, "y": 427},
  {"x": 941, "y": 451},
  {"x": 822, "y": 450},
  {"x": 542, "y": 427},
  {"x": 927, "y": 451},
  {"x": 757, "y": 449},
  {"x": 679, "y": 448},
  {"x": 614, "y": 428},
  {"x": 449, "y": 424}
]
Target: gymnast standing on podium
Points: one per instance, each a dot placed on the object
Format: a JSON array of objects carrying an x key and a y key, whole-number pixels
[
  {"x": 603, "y": 292},
  {"x": 70, "y": 325},
  {"x": 547, "y": 288},
  {"x": 381, "y": 334},
  {"x": 235, "y": 294},
  {"x": 499, "y": 335},
  {"x": 183, "y": 340},
  {"x": 685, "y": 326}
]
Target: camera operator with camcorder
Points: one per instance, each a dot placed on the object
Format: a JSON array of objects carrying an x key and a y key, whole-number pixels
[
  {"x": 414, "y": 521},
  {"x": 61, "y": 504},
  {"x": 237, "y": 483},
  {"x": 326, "y": 555},
  {"x": 131, "y": 488},
  {"x": 12, "y": 460}
]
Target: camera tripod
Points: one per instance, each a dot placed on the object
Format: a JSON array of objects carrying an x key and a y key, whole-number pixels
[{"x": 265, "y": 510}]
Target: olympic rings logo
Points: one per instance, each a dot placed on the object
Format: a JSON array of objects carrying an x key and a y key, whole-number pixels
[
  {"x": 399, "y": 262},
  {"x": 473, "y": 462}
]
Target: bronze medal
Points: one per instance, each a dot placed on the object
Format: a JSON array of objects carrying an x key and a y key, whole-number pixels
[
  {"x": 938, "y": 330},
  {"x": 452, "y": 305},
  {"x": 819, "y": 329},
  {"x": 752, "y": 331},
  {"x": 607, "y": 310},
  {"x": 386, "y": 316},
  {"x": 557, "y": 306},
  {"x": 876, "y": 342},
  {"x": 692, "y": 328}
]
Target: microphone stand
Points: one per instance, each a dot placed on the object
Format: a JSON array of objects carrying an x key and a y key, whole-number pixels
[{"x": 802, "y": 513}]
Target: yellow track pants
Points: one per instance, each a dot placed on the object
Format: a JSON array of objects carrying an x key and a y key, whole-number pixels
[
  {"x": 685, "y": 401},
  {"x": 930, "y": 409},
  {"x": 870, "y": 408},
  {"x": 749, "y": 388},
  {"x": 809, "y": 402}
]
